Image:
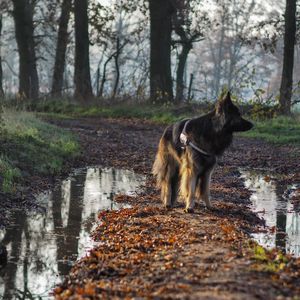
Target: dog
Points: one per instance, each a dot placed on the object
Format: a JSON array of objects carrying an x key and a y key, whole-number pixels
[{"x": 188, "y": 151}]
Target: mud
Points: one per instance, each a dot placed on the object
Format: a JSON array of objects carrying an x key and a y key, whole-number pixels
[{"x": 148, "y": 252}]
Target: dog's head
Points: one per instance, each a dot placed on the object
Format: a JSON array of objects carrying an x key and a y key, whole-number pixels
[{"x": 229, "y": 117}]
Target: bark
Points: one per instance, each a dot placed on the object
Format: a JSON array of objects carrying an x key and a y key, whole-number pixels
[
  {"x": 28, "y": 76},
  {"x": 218, "y": 68},
  {"x": 1, "y": 71},
  {"x": 182, "y": 59},
  {"x": 82, "y": 78},
  {"x": 118, "y": 53},
  {"x": 104, "y": 76},
  {"x": 98, "y": 73},
  {"x": 61, "y": 48},
  {"x": 115, "y": 55},
  {"x": 161, "y": 87},
  {"x": 98, "y": 80},
  {"x": 190, "y": 88},
  {"x": 187, "y": 39},
  {"x": 286, "y": 87}
]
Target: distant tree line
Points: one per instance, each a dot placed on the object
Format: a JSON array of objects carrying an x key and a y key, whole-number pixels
[{"x": 157, "y": 38}]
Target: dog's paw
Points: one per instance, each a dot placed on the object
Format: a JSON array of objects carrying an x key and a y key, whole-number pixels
[
  {"x": 168, "y": 206},
  {"x": 189, "y": 210}
]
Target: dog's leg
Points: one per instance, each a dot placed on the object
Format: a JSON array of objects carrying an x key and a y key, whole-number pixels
[
  {"x": 198, "y": 189},
  {"x": 174, "y": 188},
  {"x": 188, "y": 182},
  {"x": 188, "y": 186},
  {"x": 205, "y": 188},
  {"x": 166, "y": 193},
  {"x": 190, "y": 201}
]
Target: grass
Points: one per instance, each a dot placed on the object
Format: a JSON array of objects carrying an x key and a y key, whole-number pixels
[
  {"x": 9, "y": 174},
  {"x": 280, "y": 130},
  {"x": 30, "y": 146},
  {"x": 157, "y": 113}
]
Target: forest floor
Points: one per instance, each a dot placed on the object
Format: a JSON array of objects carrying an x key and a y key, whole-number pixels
[{"x": 148, "y": 252}]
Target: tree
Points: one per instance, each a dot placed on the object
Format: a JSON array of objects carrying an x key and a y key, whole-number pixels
[
  {"x": 62, "y": 42},
  {"x": 161, "y": 87},
  {"x": 228, "y": 56},
  {"x": 120, "y": 31},
  {"x": 288, "y": 58},
  {"x": 1, "y": 72},
  {"x": 188, "y": 23},
  {"x": 82, "y": 78},
  {"x": 28, "y": 76}
]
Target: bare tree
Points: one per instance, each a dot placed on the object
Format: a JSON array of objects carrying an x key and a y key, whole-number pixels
[
  {"x": 62, "y": 42},
  {"x": 288, "y": 58},
  {"x": 161, "y": 87},
  {"x": 28, "y": 76},
  {"x": 82, "y": 79},
  {"x": 1, "y": 71},
  {"x": 188, "y": 23}
]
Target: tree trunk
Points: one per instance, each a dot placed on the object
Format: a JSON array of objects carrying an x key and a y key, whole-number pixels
[
  {"x": 186, "y": 48},
  {"x": 104, "y": 76},
  {"x": 82, "y": 79},
  {"x": 28, "y": 76},
  {"x": 218, "y": 67},
  {"x": 286, "y": 87},
  {"x": 118, "y": 53},
  {"x": 61, "y": 48},
  {"x": 160, "y": 58},
  {"x": 1, "y": 71},
  {"x": 190, "y": 88}
]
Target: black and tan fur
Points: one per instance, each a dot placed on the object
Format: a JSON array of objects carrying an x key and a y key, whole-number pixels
[{"x": 188, "y": 170}]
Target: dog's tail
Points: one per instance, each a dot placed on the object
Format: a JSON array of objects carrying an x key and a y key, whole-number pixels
[{"x": 166, "y": 162}]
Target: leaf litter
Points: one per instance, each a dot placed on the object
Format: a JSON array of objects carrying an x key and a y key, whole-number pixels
[{"x": 147, "y": 252}]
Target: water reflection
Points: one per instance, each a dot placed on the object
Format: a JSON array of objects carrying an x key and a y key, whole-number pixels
[
  {"x": 279, "y": 213},
  {"x": 42, "y": 246}
]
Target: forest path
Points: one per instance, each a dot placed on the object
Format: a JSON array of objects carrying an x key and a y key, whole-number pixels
[{"x": 148, "y": 252}]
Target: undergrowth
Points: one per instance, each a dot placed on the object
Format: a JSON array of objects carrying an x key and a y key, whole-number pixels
[
  {"x": 279, "y": 130},
  {"x": 268, "y": 126},
  {"x": 30, "y": 146},
  {"x": 157, "y": 113}
]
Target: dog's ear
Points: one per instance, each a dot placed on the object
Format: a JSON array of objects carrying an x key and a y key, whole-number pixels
[{"x": 223, "y": 103}]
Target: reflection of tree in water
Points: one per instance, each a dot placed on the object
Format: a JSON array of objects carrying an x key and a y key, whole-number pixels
[
  {"x": 67, "y": 237},
  {"x": 278, "y": 210},
  {"x": 280, "y": 239},
  {"x": 13, "y": 236},
  {"x": 288, "y": 223},
  {"x": 281, "y": 219},
  {"x": 42, "y": 245}
]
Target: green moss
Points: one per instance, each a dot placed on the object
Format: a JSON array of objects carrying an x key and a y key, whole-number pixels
[
  {"x": 269, "y": 261},
  {"x": 32, "y": 147}
]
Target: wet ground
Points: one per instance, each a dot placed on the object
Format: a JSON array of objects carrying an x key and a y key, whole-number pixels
[
  {"x": 280, "y": 213},
  {"x": 42, "y": 246},
  {"x": 145, "y": 251}
]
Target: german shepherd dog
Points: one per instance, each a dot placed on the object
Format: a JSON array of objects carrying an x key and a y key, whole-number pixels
[{"x": 188, "y": 151}]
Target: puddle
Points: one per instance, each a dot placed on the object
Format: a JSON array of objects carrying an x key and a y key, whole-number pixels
[
  {"x": 282, "y": 217},
  {"x": 42, "y": 247}
]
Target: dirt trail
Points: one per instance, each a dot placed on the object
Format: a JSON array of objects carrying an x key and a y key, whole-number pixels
[{"x": 148, "y": 252}]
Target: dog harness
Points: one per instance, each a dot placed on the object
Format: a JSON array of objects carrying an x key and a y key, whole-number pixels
[{"x": 185, "y": 141}]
